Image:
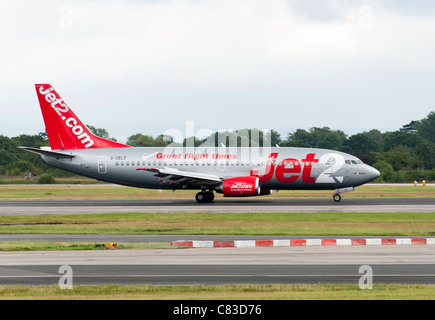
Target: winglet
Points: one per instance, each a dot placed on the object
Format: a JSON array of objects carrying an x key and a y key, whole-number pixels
[{"x": 64, "y": 129}]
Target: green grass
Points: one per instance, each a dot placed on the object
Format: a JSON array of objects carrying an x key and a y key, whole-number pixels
[
  {"x": 60, "y": 246},
  {"x": 220, "y": 292},
  {"x": 5, "y": 180},
  {"x": 109, "y": 191},
  {"x": 268, "y": 223}
]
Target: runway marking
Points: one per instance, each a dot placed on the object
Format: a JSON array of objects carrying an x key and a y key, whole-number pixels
[{"x": 220, "y": 275}]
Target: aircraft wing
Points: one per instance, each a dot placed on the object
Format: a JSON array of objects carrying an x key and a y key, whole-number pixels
[{"x": 184, "y": 177}]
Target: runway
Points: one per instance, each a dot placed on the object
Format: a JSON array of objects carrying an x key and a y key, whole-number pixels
[
  {"x": 289, "y": 265},
  {"x": 8, "y": 208},
  {"x": 222, "y": 266}
]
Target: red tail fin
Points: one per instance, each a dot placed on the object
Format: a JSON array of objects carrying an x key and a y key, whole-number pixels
[{"x": 64, "y": 128}]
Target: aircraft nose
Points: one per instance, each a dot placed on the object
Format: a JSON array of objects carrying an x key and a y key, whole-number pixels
[{"x": 373, "y": 173}]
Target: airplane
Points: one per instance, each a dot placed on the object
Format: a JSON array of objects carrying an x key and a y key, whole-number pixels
[{"x": 232, "y": 171}]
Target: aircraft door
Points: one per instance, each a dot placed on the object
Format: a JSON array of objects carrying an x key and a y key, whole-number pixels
[{"x": 102, "y": 166}]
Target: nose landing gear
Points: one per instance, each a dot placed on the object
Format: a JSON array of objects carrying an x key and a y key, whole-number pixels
[{"x": 336, "y": 197}]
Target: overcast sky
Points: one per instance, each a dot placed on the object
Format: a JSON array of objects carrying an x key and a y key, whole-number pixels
[{"x": 150, "y": 66}]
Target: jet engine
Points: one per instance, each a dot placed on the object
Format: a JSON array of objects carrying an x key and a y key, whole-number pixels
[{"x": 242, "y": 187}]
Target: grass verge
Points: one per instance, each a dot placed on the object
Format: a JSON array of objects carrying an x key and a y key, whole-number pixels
[
  {"x": 268, "y": 223},
  {"x": 220, "y": 292},
  {"x": 61, "y": 246},
  {"x": 109, "y": 191}
]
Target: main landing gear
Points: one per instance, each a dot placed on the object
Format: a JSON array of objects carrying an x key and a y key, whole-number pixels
[
  {"x": 204, "y": 196},
  {"x": 336, "y": 197}
]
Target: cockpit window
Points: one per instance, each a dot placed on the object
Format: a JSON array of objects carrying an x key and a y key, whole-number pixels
[{"x": 353, "y": 162}]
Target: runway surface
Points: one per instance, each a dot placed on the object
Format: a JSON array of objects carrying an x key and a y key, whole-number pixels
[
  {"x": 220, "y": 266},
  {"x": 8, "y": 208},
  {"x": 289, "y": 265}
]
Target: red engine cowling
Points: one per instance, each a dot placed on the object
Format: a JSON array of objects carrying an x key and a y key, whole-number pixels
[{"x": 240, "y": 187}]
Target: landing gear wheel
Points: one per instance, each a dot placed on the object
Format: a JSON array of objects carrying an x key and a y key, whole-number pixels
[
  {"x": 209, "y": 196},
  {"x": 336, "y": 197},
  {"x": 200, "y": 197},
  {"x": 204, "y": 196}
]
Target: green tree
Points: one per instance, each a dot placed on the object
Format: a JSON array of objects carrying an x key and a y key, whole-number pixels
[
  {"x": 426, "y": 127},
  {"x": 316, "y": 138},
  {"x": 402, "y": 157},
  {"x": 300, "y": 138},
  {"x": 386, "y": 169},
  {"x": 332, "y": 140},
  {"x": 361, "y": 143},
  {"x": 100, "y": 132},
  {"x": 401, "y": 138},
  {"x": 425, "y": 151}
]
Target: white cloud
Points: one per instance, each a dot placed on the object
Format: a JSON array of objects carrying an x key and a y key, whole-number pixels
[{"x": 239, "y": 57}]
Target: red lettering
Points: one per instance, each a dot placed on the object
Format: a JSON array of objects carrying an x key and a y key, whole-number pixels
[
  {"x": 281, "y": 170},
  {"x": 270, "y": 168},
  {"x": 168, "y": 156},
  {"x": 306, "y": 174}
]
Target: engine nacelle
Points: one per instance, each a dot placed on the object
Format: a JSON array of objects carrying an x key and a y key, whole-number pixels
[
  {"x": 265, "y": 192},
  {"x": 240, "y": 187}
]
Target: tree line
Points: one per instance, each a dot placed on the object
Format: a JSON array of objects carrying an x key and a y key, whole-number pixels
[{"x": 405, "y": 155}]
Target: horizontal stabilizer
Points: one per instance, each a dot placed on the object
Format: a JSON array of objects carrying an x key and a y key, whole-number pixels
[{"x": 48, "y": 152}]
